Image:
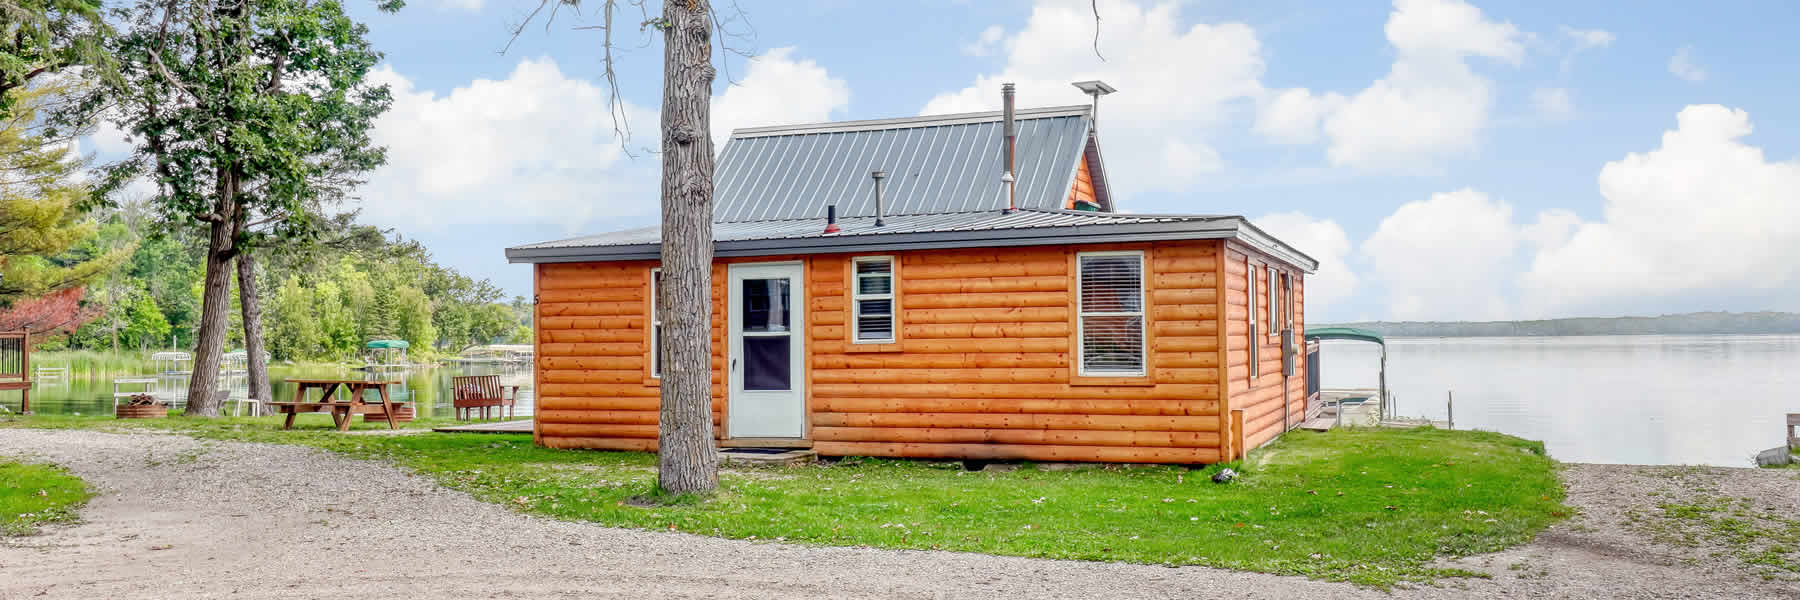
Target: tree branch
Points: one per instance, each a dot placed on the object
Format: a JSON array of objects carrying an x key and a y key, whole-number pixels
[
  {"x": 162, "y": 33},
  {"x": 1096, "y": 5}
]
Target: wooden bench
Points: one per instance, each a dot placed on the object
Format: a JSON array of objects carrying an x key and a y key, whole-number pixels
[{"x": 471, "y": 392}]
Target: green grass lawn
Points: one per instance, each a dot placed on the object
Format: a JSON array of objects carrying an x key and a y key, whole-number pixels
[
  {"x": 31, "y": 495},
  {"x": 1375, "y": 507}
]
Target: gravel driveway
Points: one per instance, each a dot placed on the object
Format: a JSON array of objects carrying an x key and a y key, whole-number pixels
[{"x": 183, "y": 518}]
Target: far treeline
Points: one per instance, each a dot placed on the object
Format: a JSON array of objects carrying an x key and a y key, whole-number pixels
[{"x": 1700, "y": 323}]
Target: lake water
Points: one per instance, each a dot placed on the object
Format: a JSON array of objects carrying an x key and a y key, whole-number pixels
[
  {"x": 1711, "y": 400},
  {"x": 428, "y": 390}
]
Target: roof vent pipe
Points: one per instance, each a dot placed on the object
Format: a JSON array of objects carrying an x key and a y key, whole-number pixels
[
  {"x": 831, "y": 225},
  {"x": 1011, "y": 130},
  {"x": 878, "y": 175}
]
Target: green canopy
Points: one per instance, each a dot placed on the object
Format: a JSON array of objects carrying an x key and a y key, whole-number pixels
[
  {"x": 384, "y": 344},
  {"x": 1361, "y": 335},
  {"x": 1344, "y": 333}
]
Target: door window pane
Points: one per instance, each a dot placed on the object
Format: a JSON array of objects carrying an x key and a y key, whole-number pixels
[
  {"x": 765, "y": 305},
  {"x": 766, "y": 362}
]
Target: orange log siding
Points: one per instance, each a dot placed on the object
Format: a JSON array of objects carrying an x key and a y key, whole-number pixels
[
  {"x": 984, "y": 366},
  {"x": 1260, "y": 397},
  {"x": 1083, "y": 190}
]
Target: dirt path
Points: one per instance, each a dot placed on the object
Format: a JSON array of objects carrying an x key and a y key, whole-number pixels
[{"x": 182, "y": 518}]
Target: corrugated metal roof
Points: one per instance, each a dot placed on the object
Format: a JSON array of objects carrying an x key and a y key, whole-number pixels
[{"x": 940, "y": 164}]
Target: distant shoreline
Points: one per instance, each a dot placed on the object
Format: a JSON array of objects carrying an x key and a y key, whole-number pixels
[{"x": 1700, "y": 323}]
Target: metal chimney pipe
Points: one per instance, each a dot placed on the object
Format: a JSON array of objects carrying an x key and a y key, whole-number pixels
[
  {"x": 1011, "y": 129},
  {"x": 878, "y": 175},
  {"x": 831, "y": 225}
]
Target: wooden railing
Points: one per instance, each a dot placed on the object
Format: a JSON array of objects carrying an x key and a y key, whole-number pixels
[
  {"x": 14, "y": 355},
  {"x": 15, "y": 366}
]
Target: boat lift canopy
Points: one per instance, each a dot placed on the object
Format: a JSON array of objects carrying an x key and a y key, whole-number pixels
[
  {"x": 1359, "y": 335},
  {"x": 1345, "y": 333}
]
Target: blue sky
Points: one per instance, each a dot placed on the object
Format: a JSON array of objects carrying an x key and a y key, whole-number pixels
[{"x": 1445, "y": 159}]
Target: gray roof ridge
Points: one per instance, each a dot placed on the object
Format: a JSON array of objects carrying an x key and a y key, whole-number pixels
[{"x": 1044, "y": 112}]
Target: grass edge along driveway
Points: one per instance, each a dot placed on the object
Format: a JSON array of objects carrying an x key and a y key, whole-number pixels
[
  {"x": 32, "y": 495},
  {"x": 1371, "y": 506}
]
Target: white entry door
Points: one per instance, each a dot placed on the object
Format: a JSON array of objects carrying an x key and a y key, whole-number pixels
[{"x": 767, "y": 327}]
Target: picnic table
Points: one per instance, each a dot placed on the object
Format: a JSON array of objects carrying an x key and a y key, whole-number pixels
[{"x": 341, "y": 410}]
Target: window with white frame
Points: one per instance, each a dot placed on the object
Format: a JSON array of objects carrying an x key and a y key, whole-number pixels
[
  {"x": 1110, "y": 315},
  {"x": 1274, "y": 305},
  {"x": 872, "y": 300},
  {"x": 1250, "y": 278},
  {"x": 1288, "y": 304},
  {"x": 656, "y": 328}
]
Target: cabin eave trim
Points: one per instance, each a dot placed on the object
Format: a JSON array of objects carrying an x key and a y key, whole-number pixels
[{"x": 1233, "y": 228}]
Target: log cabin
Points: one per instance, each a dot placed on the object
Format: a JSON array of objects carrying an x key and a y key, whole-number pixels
[{"x": 947, "y": 287}]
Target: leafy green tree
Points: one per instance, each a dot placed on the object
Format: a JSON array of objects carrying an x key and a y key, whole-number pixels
[
  {"x": 296, "y": 327},
  {"x": 250, "y": 115},
  {"x": 491, "y": 322},
  {"x": 413, "y": 317},
  {"x": 145, "y": 326}
]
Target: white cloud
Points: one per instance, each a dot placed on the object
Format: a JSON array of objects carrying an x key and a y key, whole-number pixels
[
  {"x": 1292, "y": 116},
  {"x": 1445, "y": 258},
  {"x": 539, "y": 146},
  {"x": 1589, "y": 38},
  {"x": 1326, "y": 242},
  {"x": 1187, "y": 159},
  {"x": 109, "y": 139},
  {"x": 1429, "y": 105},
  {"x": 463, "y": 5},
  {"x": 536, "y": 147},
  {"x": 1705, "y": 221},
  {"x": 1583, "y": 39},
  {"x": 1450, "y": 28},
  {"x": 1175, "y": 83},
  {"x": 987, "y": 43},
  {"x": 1553, "y": 103},
  {"x": 778, "y": 89},
  {"x": 1552, "y": 229},
  {"x": 1683, "y": 65}
]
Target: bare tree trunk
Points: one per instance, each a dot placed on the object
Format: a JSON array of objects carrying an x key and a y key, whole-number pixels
[
  {"x": 253, "y": 333},
  {"x": 215, "y": 299},
  {"x": 687, "y": 460}
]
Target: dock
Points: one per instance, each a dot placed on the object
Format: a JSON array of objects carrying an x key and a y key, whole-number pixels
[
  {"x": 518, "y": 426},
  {"x": 1361, "y": 408}
]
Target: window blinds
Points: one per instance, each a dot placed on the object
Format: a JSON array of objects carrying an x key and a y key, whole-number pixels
[{"x": 1112, "y": 313}]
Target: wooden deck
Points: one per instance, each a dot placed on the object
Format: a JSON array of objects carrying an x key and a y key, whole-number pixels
[{"x": 519, "y": 426}]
